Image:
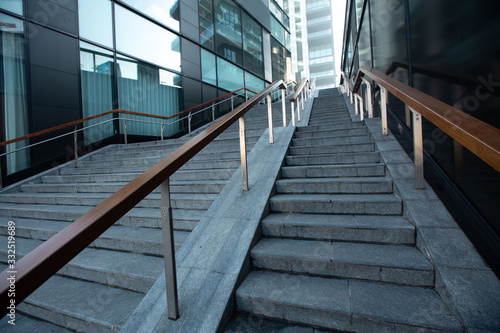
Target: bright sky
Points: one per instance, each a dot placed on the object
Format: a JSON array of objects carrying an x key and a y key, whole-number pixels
[{"x": 338, "y": 16}]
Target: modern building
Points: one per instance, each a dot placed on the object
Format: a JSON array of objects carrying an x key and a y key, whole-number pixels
[
  {"x": 447, "y": 51},
  {"x": 66, "y": 60},
  {"x": 312, "y": 41}
]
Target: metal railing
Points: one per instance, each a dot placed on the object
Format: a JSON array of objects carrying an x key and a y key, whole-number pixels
[
  {"x": 38, "y": 266},
  {"x": 301, "y": 95},
  {"x": 212, "y": 104},
  {"x": 479, "y": 137}
]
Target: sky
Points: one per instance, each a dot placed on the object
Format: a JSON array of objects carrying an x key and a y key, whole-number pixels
[{"x": 338, "y": 16}]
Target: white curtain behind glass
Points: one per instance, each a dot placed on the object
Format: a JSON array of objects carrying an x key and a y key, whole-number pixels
[{"x": 15, "y": 106}]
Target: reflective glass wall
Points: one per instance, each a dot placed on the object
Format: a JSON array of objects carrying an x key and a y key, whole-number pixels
[
  {"x": 449, "y": 50},
  {"x": 62, "y": 61}
]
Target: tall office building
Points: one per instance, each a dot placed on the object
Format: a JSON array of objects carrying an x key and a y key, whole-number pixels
[
  {"x": 312, "y": 41},
  {"x": 65, "y": 60}
]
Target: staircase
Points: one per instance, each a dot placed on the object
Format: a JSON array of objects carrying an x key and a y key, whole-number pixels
[
  {"x": 102, "y": 286},
  {"x": 336, "y": 252}
]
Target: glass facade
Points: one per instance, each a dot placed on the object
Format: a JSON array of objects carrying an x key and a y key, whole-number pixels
[
  {"x": 102, "y": 55},
  {"x": 447, "y": 50},
  {"x": 228, "y": 31},
  {"x": 13, "y": 91},
  {"x": 13, "y": 6},
  {"x": 135, "y": 36},
  {"x": 89, "y": 13}
]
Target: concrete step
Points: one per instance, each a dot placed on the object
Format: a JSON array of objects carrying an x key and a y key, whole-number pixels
[
  {"x": 178, "y": 200},
  {"x": 214, "y": 174},
  {"x": 144, "y": 163},
  {"x": 347, "y": 228},
  {"x": 404, "y": 265},
  {"x": 327, "y": 127},
  {"x": 182, "y": 186},
  {"x": 332, "y": 149},
  {"x": 330, "y": 171},
  {"x": 331, "y": 159},
  {"x": 354, "y": 185},
  {"x": 329, "y": 133},
  {"x": 333, "y": 140},
  {"x": 352, "y": 204},
  {"x": 344, "y": 305},
  {"x": 81, "y": 305},
  {"x": 131, "y": 271},
  {"x": 202, "y": 156},
  {"x": 28, "y": 324},
  {"x": 185, "y": 219},
  {"x": 118, "y": 238}
]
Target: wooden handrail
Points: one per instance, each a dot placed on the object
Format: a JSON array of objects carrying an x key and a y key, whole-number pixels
[
  {"x": 479, "y": 137},
  {"x": 44, "y": 261},
  {"x": 79, "y": 121}
]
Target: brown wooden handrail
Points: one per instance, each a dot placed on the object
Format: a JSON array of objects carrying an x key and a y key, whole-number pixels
[
  {"x": 79, "y": 121},
  {"x": 44, "y": 261},
  {"x": 479, "y": 137}
]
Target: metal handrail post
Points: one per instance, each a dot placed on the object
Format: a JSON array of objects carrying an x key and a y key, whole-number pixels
[
  {"x": 350, "y": 95},
  {"x": 162, "y": 129},
  {"x": 167, "y": 227},
  {"x": 370, "y": 97},
  {"x": 189, "y": 121},
  {"x": 302, "y": 98},
  {"x": 283, "y": 106},
  {"x": 243, "y": 154},
  {"x": 125, "y": 130},
  {"x": 75, "y": 142},
  {"x": 232, "y": 102},
  {"x": 298, "y": 108},
  {"x": 383, "y": 108},
  {"x": 213, "y": 111},
  {"x": 270, "y": 118},
  {"x": 293, "y": 112},
  {"x": 418, "y": 149},
  {"x": 356, "y": 112}
]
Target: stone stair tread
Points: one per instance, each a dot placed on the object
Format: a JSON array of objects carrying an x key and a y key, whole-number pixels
[
  {"x": 130, "y": 271},
  {"x": 108, "y": 187},
  {"x": 344, "y": 305},
  {"x": 353, "y": 228},
  {"x": 381, "y": 255},
  {"x": 81, "y": 305},
  {"x": 337, "y": 197},
  {"x": 330, "y": 126},
  {"x": 333, "y": 159},
  {"x": 29, "y": 324},
  {"x": 330, "y": 171},
  {"x": 335, "y": 185}
]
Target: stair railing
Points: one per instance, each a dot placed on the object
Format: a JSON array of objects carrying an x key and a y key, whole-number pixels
[
  {"x": 122, "y": 116},
  {"x": 479, "y": 137},
  {"x": 26, "y": 275},
  {"x": 300, "y": 95}
]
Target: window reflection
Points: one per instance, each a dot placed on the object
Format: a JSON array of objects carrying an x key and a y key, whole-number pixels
[
  {"x": 148, "y": 89},
  {"x": 95, "y": 21},
  {"x": 143, "y": 39},
  {"x": 13, "y": 6},
  {"x": 208, "y": 68},
  {"x": 252, "y": 45},
  {"x": 206, "y": 23},
  {"x": 13, "y": 103},
  {"x": 253, "y": 82},
  {"x": 228, "y": 28},
  {"x": 97, "y": 90},
  {"x": 163, "y": 11},
  {"x": 230, "y": 76}
]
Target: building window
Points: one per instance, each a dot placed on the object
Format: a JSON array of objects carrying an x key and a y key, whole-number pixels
[
  {"x": 97, "y": 67},
  {"x": 13, "y": 6},
  {"x": 253, "y": 82},
  {"x": 206, "y": 19},
  {"x": 208, "y": 68},
  {"x": 13, "y": 103},
  {"x": 230, "y": 77},
  {"x": 228, "y": 29},
  {"x": 252, "y": 45},
  {"x": 143, "y": 39},
  {"x": 163, "y": 11},
  {"x": 95, "y": 20},
  {"x": 148, "y": 89}
]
